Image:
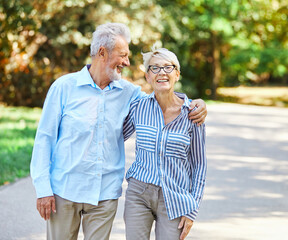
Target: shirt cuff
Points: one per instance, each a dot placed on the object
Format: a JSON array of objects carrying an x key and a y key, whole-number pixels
[
  {"x": 192, "y": 215},
  {"x": 43, "y": 188}
]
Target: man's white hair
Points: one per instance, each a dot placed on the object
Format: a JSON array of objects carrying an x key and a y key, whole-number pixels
[
  {"x": 105, "y": 36},
  {"x": 160, "y": 53}
]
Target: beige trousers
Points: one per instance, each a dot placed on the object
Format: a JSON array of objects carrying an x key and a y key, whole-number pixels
[{"x": 96, "y": 220}]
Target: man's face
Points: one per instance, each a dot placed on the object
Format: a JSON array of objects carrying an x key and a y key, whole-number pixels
[{"x": 117, "y": 59}]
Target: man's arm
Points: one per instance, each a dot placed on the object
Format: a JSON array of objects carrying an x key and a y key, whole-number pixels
[
  {"x": 45, "y": 141},
  {"x": 199, "y": 114}
]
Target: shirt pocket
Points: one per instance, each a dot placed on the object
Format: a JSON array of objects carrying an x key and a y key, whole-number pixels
[
  {"x": 178, "y": 145},
  {"x": 146, "y": 137}
]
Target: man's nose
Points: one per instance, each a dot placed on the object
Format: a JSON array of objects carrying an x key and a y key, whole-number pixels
[{"x": 127, "y": 62}]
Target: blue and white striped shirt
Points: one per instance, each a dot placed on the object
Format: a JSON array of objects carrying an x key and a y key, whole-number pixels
[{"x": 171, "y": 156}]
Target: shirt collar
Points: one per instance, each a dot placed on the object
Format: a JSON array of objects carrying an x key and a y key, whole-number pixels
[
  {"x": 86, "y": 79},
  {"x": 115, "y": 84},
  {"x": 178, "y": 94}
]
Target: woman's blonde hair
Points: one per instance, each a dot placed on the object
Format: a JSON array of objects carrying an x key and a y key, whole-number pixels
[{"x": 160, "y": 53}]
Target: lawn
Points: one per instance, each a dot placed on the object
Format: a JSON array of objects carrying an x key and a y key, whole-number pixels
[{"x": 17, "y": 131}]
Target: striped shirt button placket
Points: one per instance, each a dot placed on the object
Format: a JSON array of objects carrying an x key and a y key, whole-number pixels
[{"x": 177, "y": 161}]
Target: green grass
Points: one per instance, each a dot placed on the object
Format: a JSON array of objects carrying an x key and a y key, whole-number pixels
[{"x": 17, "y": 132}]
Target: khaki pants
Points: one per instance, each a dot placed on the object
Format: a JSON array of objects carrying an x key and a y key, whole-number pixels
[
  {"x": 96, "y": 220},
  {"x": 144, "y": 204}
]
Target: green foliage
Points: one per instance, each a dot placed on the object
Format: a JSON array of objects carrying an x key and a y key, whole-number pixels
[
  {"x": 17, "y": 132},
  {"x": 43, "y": 40},
  {"x": 218, "y": 43},
  {"x": 227, "y": 42}
]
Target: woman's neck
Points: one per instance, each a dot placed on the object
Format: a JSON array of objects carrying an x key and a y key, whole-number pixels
[
  {"x": 170, "y": 105},
  {"x": 167, "y": 99}
]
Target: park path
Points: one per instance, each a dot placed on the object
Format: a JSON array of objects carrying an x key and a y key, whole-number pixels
[{"x": 247, "y": 181}]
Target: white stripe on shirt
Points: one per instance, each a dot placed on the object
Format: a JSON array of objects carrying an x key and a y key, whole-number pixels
[{"x": 171, "y": 156}]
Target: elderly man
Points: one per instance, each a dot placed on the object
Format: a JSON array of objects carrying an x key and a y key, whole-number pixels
[{"x": 78, "y": 157}]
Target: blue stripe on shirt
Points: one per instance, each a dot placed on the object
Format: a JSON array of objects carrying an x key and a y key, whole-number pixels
[{"x": 171, "y": 156}]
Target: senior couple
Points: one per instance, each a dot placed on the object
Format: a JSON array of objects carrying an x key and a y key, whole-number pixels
[{"x": 78, "y": 159}]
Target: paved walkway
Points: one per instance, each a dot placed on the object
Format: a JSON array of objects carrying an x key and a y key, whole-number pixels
[{"x": 247, "y": 182}]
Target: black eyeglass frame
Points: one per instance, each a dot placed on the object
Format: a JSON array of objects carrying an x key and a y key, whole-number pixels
[{"x": 149, "y": 68}]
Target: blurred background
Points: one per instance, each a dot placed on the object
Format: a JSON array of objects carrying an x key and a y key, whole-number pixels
[
  {"x": 220, "y": 44},
  {"x": 233, "y": 51}
]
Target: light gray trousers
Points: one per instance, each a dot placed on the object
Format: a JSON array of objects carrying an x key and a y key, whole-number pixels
[
  {"x": 144, "y": 204},
  {"x": 96, "y": 220}
]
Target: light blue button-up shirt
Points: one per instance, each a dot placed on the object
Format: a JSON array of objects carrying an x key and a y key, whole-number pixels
[{"x": 78, "y": 152}]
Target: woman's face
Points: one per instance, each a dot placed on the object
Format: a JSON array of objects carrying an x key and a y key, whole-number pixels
[{"x": 162, "y": 81}]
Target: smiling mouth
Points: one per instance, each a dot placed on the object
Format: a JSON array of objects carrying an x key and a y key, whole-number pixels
[
  {"x": 162, "y": 80},
  {"x": 120, "y": 68}
]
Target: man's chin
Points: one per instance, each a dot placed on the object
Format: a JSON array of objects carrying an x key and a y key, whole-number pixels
[
  {"x": 113, "y": 75},
  {"x": 116, "y": 77}
]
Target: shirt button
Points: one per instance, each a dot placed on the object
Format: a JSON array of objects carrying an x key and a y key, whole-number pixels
[{"x": 100, "y": 143}]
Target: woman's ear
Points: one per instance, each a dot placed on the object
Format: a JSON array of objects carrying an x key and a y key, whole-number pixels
[
  {"x": 147, "y": 77},
  {"x": 177, "y": 76}
]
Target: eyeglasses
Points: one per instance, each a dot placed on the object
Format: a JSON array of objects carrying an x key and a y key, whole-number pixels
[{"x": 156, "y": 69}]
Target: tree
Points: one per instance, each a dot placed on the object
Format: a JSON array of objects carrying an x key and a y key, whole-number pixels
[
  {"x": 226, "y": 42},
  {"x": 218, "y": 42},
  {"x": 44, "y": 39}
]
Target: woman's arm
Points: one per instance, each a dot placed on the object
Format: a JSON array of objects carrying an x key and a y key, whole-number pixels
[
  {"x": 186, "y": 224},
  {"x": 199, "y": 165},
  {"x": 128, "y": 125}
]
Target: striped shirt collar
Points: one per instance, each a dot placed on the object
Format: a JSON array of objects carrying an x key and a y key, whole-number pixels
[{"x": 178, "y": 94}]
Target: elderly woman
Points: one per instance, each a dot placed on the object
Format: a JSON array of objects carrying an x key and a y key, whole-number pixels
[{"x": 166, "y": 181}]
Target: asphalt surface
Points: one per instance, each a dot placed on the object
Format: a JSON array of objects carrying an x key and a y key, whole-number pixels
[{"x": 246, "y": 196}]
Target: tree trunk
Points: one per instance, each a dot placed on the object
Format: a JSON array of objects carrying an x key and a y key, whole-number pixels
[{"x": 216, "y": 66}]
